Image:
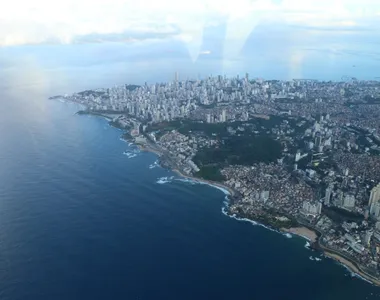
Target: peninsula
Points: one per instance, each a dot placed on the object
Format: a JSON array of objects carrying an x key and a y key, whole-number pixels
[{"x": 301, "y": 156}]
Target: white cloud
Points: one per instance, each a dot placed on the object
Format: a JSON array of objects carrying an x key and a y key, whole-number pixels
[
  {"x": 45, "y": 21},
  {"x": 205, "y": 52}
]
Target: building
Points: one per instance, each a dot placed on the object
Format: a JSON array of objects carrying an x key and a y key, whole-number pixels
[
  {"x": 310, "y": 172},
  {"x": 223, "y": 116},
  {"x": 375, "y": 210},
  {"x": 374, "y": 196},
  {"x": 373, "y": 203},
  {"x": 264, "y": 196},
  {"x": 339, "y": 199},
  {"x": 311, "y": 208},
  {"x": 298, "y": 156},
  {"x": 328, "y": 194},
  {"x": 367, "y": 237},
  {"x": 349, "y": 201}
]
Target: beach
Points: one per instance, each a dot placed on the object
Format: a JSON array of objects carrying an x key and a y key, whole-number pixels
[
  {"x": 352, "y": 267},
  {"x": 303, "y": 232}
]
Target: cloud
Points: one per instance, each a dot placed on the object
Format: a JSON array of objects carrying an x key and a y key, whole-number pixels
[
  {"x": 93, "y": 21},
  {"x": 205, "y": 52}
]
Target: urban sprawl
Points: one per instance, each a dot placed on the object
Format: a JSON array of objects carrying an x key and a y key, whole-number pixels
[{"x": 299, "y": 152}]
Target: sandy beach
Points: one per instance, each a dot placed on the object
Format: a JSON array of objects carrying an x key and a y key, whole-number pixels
[
  {"x": 303, "y": 232},
  {"x": 216, "y": 184},
  {"x": 352, "y": 267}
]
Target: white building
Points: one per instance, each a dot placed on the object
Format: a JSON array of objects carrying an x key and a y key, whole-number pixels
[
  {"x": 349, "y": 201},
  {"x": 311, "y": 208}
]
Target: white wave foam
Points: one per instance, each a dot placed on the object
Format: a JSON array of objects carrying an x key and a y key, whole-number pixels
[
  {"x": 307, "y": 245},
  {"x": 130, "y": 154},
  {"x": 194, "y": 181},
  {"x": 352, "y": 273},
  {"x": 187, "y": 180},
  {"x": 315, "y": 258},
  {"x": 224, "y": 211},
  {"x": 154, "y": 165},
  {"x": 288, "y": 235},
  {"x": 164, "y": 180}
]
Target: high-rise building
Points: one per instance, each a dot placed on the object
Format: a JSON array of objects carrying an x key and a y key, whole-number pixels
[
  {"x": 374, "y": 198},
  {"x": 223, "y": 116},
  {"x": 367, "y": 237},
  {"x": 328, "y": 194},
  {"x": 339, "y": 199},
  {"x": 375, "y": 210},
  {"x": 349, "y": 201},
  {"x": 311, "y": 208}
]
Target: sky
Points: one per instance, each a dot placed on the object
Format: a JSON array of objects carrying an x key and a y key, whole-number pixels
[{"x": 225, "y": 29}]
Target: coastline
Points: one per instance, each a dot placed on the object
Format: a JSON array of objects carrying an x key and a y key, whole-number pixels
[
  {"x": 219, "y": 185},
  {"x": 302, "y": 231},
  {"x": 352, "y": 267}
]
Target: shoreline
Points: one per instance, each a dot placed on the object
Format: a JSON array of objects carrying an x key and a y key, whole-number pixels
[
  {"x": 301, "y": 231},
  {"x": 218, "y": 185},
  {"x": 352, "y": 267},
  {"x": 226, "y": 189}
]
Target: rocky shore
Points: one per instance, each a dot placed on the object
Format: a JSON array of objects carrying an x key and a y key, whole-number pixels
[{"x": 265, "y": 218}]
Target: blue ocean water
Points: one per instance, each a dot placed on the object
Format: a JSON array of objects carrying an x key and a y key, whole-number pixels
[{"x": 80, "y": 220}]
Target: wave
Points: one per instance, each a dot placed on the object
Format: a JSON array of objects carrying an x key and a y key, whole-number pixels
[
  {"x": 154, "y": 165},
  {"x": 315, "y": 258},
  {"x": 353, "y": 274},
  {"x": 194, "y": 181},
  {"x": 130, "y": 154},
  {"x": 307, "y": 245},
  {"x": 164, "y": 180},
  {"x": 224, "y": 211}
]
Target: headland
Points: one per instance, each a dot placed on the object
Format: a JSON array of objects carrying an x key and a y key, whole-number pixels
[{"x": 300, "y": 156}]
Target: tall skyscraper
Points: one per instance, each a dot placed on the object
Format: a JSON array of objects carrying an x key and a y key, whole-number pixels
[
  {"x": 224, "y": 115},
  {"x": 374, "y": 199},
  {"x": 328, "y": 194}
]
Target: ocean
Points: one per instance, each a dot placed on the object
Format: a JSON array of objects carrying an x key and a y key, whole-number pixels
[{"x": 85, "y": 215}]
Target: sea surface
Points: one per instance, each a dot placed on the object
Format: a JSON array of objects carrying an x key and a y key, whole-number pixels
[{"x": 85, "y": 215}]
